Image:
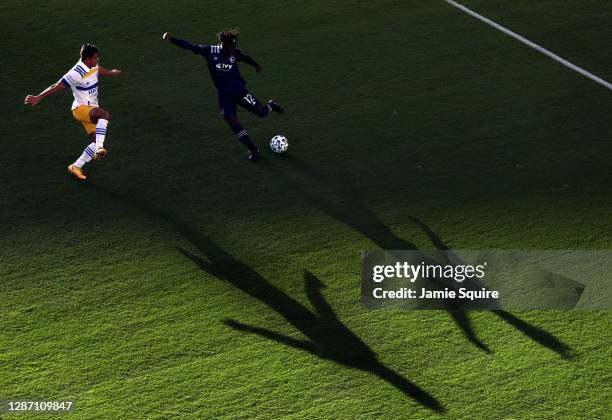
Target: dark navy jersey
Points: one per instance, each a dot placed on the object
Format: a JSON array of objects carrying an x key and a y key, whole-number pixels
[{"x": 223, "y": 67}]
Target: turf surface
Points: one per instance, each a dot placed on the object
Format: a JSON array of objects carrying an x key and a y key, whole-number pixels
[{"x": 182, "y": 280}]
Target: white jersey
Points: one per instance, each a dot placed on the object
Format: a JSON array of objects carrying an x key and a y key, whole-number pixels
[{"x": 84, "y": 84}]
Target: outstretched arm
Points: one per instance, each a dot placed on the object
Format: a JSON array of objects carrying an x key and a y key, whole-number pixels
[
  {"x": 196, "y": 49},
  {"x": 247, "y": 59},
  {"x": 105, "y": 72},
  {"x": 35, "y": 99}
]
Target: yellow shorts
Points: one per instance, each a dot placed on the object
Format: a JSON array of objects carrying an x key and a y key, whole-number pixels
[{"x": 81, "y": 113}]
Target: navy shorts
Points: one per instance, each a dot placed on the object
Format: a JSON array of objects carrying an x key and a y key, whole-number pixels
[{"x": 228, "y": 98}]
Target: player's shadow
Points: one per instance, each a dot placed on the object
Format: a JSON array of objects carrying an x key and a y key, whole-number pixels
[
  {"x": 335, "y": 194},
  {"x": 327, "y": 337},
  {"x": 538, "y": 335}
]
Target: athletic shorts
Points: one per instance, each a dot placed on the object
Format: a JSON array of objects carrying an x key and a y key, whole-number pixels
[
  {"x": 81, "y": 113},
  {"x": 228, "y": 98}
]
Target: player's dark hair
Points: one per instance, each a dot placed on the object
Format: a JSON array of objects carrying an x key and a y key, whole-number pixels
[
  {"x": 88, "y": 51},
  {"x": 229, "y": 37}
]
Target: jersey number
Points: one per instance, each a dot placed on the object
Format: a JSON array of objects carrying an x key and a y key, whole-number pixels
[{"x": 249, "y": 99}]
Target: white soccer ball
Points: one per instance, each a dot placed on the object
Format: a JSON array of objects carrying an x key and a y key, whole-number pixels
[{"x": 279, "y": 144}]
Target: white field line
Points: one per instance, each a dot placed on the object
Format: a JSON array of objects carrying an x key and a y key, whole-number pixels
[{"x": 531, "y": 44}]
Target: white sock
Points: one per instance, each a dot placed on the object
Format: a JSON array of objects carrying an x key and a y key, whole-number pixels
[
  {"x": 87, "y": 156},
  {"x": 100, "y": 132}
]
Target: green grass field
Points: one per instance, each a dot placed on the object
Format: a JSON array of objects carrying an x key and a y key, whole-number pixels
[{"x": 180, "y": 280}]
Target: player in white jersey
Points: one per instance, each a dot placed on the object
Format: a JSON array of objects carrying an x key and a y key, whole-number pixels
[{"x": 83, "y": 80}]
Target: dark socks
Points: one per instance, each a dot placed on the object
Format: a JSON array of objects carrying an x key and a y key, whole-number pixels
[{"x": 243, "y": 136}]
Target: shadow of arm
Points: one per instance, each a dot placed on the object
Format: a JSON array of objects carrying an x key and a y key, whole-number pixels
[{"x": 271, "y": 335}]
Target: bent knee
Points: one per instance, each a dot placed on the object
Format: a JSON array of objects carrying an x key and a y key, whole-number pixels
[
  {"x": 99, "y": 113},
  {"x": 102, "y": 113}
]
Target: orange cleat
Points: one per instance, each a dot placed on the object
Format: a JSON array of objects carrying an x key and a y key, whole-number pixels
[
  {"x": 100, "y": 153},
  {"x": 76, "y": 172}
]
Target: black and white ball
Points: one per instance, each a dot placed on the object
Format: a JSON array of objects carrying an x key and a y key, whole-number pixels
[{"x": 279, "y": 144}]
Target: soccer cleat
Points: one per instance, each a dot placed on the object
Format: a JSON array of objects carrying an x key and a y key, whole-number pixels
[
  {"x": 100, "y": 153},
  {"x": 253, "y": 155},
  {"x": 275, "y": 107},
  {"x": 76, "y": 172}
]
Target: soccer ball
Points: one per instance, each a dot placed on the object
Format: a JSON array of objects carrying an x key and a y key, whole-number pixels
[{"x": 279, "y": 144}]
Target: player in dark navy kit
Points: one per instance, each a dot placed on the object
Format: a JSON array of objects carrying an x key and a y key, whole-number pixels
[{"x": 223, "y": 62}]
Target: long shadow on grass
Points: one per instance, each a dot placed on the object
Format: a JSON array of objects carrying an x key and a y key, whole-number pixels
[
  {"x": 538, "y": 335},
  {"x": 328, "y": 337},
  {"x": 337, "y": 196}
]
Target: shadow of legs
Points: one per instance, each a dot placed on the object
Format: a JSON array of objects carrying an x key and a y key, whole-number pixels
[
  {"x": 330, "y": 339},
  {"x": 538, "y": 335}
]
